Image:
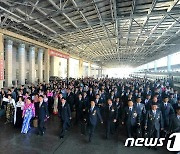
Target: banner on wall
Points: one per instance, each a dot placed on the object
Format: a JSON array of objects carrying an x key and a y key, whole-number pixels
[
  {"x": 58, "y": 54},
  {"x": 1, "y": 69}
]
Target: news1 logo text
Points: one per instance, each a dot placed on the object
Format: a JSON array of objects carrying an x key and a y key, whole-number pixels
[{"x": 173, "y": 143}]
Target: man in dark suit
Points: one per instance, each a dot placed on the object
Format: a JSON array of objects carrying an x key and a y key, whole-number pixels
[
  {"x": 167, "y": 110},
  {"x": 92, "y": 114},
  {"x": 70, "y": 99},
  {"x": 86, "y": 100},
  {"x": 91, "y": 94},
  {"x": 110, "y": 116},
  {"x": 154, "y": 121},
  {"x": 79, "y": 109},
  {"x": 65, "y": 116},
  {"x": 141, "y": 110},
  {"x": 147, "y": 102},
  {"x": 174, "y": 126},
  {"x": 175, "y": 106},
  {"x": 43, "y": 114},
  {"x": 131, "y": 119}
]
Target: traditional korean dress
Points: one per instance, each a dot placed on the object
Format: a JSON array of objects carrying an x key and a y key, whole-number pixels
[
  {"x": 56, "y": 98},
  {"x": 28, "y": 112},
  {"x": 50, "y": 101},
  {"x": 11, "y": 111},
  {"x": 19, "y": 111}
]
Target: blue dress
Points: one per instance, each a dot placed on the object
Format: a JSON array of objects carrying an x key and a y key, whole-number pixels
[{"x": 26, "y": 122}]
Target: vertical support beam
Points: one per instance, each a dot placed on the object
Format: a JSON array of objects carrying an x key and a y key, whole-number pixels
[
  {"x": 32, "y": 64},
  {"x": 1, "y": 60},
  {"x": 8, "y": 62},
  {"x": 52, "y": 65},
  {"x": 40, "y": 65},
  {"x": 46, "y": 66},
  {"x": 21, "y": 51},
  {"x": 147, "y": 67},
  {"x": 169, "y": 58},
  {"x": 68, "y": 67},
  {"x": 89, "y": 69},
  {"x": 80, "y": 68},
  {"x": 155, "y": 66}
]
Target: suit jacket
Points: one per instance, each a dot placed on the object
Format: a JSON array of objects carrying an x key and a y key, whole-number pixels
[
  {"x": 86, "y": 101},
  {"x": 92, "y": 116},
  {"x": 154, "y": 122},
  {"x": 110, "y": 114},
  {"x": 175, "y": 106},
  {"x": 64, "y": 112},
  {"x": 174, "y": 125},
  {"x": 43, "y": 111},
  {"x": 166, "y": 112},
  {"x": 141, "y": 110},
  {"x": 70, "y": 98},
  {"x": 130, "y": 117},
  {"x": 91, "y": 95}
]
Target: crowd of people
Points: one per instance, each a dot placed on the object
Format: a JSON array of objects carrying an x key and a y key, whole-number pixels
[{"x": 143, "y": 107}]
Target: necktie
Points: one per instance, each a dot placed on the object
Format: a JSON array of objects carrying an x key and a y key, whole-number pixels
[
  {"x": 91, "y": 109},
  {"x": 154, "y": 113}
]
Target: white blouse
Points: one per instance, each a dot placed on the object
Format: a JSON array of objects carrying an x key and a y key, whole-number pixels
[{"x": 20, "y": 104}]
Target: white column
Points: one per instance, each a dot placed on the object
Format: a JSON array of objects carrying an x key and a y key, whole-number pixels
[
  {"x": 89, "y": 69},
  {"x": 155, "y": 65},
  {"x": 147, "y": 67},
  {"x": 40, "y": 65},
  {"x": 169, "y": 58},
  {"x": 22, "y": 73},
  {"x": 68, "y": 68},
  {"x": 80, "y": 68},
  {"x": 1, "y": 60},
  {"x": 8, "y": 62},
  {"x": 32, "y": 64},
  {"x": 47, "y": 66}
]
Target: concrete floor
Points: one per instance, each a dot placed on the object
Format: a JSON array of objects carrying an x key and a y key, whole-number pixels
[{"x": 13, "y": 142}]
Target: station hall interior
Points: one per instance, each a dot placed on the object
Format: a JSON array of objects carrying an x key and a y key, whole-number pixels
[{"x": 85, "y": 39}]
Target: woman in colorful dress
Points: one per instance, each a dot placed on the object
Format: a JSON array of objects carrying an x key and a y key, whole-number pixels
[
  {"x": 28, "y": 113},
  {"x": 19, "y": 111},
  {"x": 50, "y": 100},
  {"x": 10, "y": 110},
  {"x": 56, "y": 99}
]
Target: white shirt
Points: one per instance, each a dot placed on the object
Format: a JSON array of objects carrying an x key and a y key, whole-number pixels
[
  {"x": 130, "y": 108},
  {"x": 40, "y": 104},
  {"x": 165, "y": 104},
  {"x": 20, "y": 104}
]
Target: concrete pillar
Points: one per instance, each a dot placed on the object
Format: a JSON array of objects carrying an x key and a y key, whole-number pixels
[
  {"x": 68, "y": 67},
  {"x": 1, "y": 60},
  {"x": 147, "y": 67},
  {"x": 22, "y": 73},
  {"x": 155, "y": 66},
  {"x": 89, "y": 69},
  {"x": 32, "y": 64},
  {"x": 40, "y": 65},
  {"x": 8, "y": 62},
  {"x": 46, "y": 66},
  {"x": 80, "y": 68},
  {"x": 169, "y": 58}
]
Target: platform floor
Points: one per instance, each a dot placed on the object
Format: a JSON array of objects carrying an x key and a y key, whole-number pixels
[{"x": 13, "y": 142}]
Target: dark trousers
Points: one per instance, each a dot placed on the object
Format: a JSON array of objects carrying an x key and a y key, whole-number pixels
[
  {"x": 91, "y": 130},
  {"x": 110, "y": 126},
  {"x": 131, "y": 130},
  {"x": 154, "y": 133},
  {"x": 41, "y": 126},
  {"x": 65, "y": 126}
]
